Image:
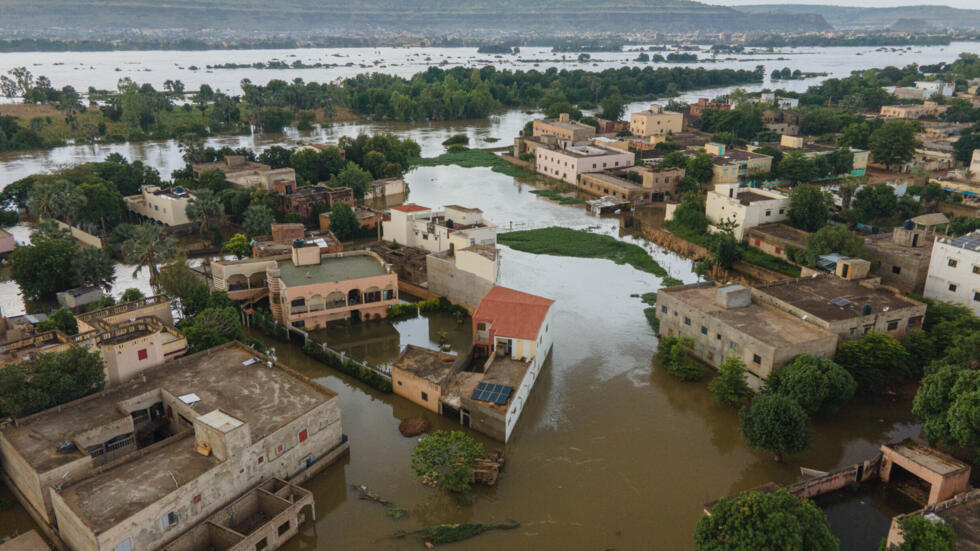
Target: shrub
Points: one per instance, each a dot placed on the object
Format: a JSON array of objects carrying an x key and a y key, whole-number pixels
[
  {"x": 818, "y": 384},
  {"x": 673, "y": 353},
  {"x": 730, "y": 387},
  {"x": 776, "y": 424}
]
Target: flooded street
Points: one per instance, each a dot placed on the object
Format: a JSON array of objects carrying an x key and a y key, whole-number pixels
[{"x": 609, "y": 452}]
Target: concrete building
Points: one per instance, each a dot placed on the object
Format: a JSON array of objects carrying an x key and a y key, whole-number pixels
[
  {"x": 904, "y": 253},
  {"x": 655, "y": 121},
  {"x": 264, "y": 518},
  {"x": 303, "y": 199},
  {"x": 79, "y": 297},
  {"x": 776, "y": 239},
  {"x": 954, "y": 271},
  {"x": 566, "y": 164},
  {"x": 725, "y": 321},
  {"x": 435, "y": 231},
  {"x": 655, "y": 185},
  {"x": 386, "y": 189},
  {"x": 7, "y": 243},
  {"x": 782, "y": 121},
  {"x": 367, "y": 219},
  {"x": 420, "y": 375},
  {"x": 132, "y": 336},
  {"x": 465, "y": 275},
  {"x": 845, "y": 307},
  {"x": 736, "y": 166},
  {"x": 698, "y": 108},
  {"x": 959, "y": 513},
  {"x": 280, "y": 243},
  {"x": 242, "y": 173},
  {"x": 563, "y": 129},
  {"x": 930, "y": 88},
  {"x": 139, "y": 465},
  {"x": 912, "y": 111},
  {"x": 810, "y": 150},
  {"x": 165, "y": 206},
  {"x": 746, "y": 207},
  {"x": 975, "y": 162}
]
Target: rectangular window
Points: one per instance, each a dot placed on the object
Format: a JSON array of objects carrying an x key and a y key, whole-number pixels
[
  {"x": 279, "y": 448},
  {"x": 892, "y": 325},
  {"x": 261, "y": 459},
  {"x": 303, "y": 435},
  {"x": 425, "y": 397},
  {"x": 142, "y": 354},
  {"x": 704, "y": 330},
  {"x": 757, "y": 242},
  {"x": 952, "y": 287},
  {"x": 976, "y": 269},
  {"x": 757, "y": 358},
  {"x": 915, "y": 321},
  {"x": 896, "y": 270},
  {"x": 663, "y": 309},
  {"x": 768, "y": 213},
  {"x": 731, "y": 344},
  {"x": 168, "y": 520},
  {"x": 125, "y": 545},
  {"x": 687, "y": 320},
  {"x": 976, "y": 296},
  {"x": 952, "y": 262},
  {"x": 283, "y": 528}
]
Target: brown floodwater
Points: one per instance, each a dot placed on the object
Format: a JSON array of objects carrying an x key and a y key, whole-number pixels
[{"x": 609, "y": 452}]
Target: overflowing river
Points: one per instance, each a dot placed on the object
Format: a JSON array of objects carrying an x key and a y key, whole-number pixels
[{"x": 610, "y": 452}]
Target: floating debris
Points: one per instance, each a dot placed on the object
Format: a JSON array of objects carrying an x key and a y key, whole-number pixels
[
  {"x": 414, "y": 426},
  {"x": 451, "y": 533}
]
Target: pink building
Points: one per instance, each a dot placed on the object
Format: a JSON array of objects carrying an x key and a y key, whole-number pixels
[
  {"x": 566, "y": 164},
  {"x": 7, "y": 243}
]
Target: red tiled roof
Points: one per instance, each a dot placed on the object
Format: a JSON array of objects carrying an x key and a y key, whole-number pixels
[
  {"x": 411, "y": 207},
  {"x": 512, "y": 313}
]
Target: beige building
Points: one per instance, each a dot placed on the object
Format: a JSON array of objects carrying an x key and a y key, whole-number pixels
[
  {"x": 656, "y": 121},
  {"x": 420, "y": 375},
  {"x": 132, "y": 337},
  {"x": 242, "y": 173},
  {"x": 656, "y": 184},
  {"x": 845, "y": 307},
  {"x": 564, "y": 130},
  {"x": 912, "y": 111},
  {"x": 464, "y": 275},
  {"x": 776, "y": 239},
  {"x": 905, "y": 252},
  {"x": 736, "y": 166},
  {"x": 746, "y": 207},
  {"x": 166, "y": 206},
  {"x": 137, "y": 466},
  {"x": 726, "y": 321},
  {"x": 568, "y": 163},
  {"x": 435, "y": 231}
]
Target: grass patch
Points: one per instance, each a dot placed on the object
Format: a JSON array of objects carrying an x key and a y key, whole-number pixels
[
  {"x": 581, "y": 244},
  {"x": 650, "y": 299},
  {"x": 557, "y": 196},
  {"x": 765, "y": 260},
  {"x": 473, "y": 158}
]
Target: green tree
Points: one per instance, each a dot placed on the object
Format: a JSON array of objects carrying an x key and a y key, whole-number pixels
[
  {"x": 50, "y": 380},
  {"x": 833, "y": 239},
  {"x": 808, "y": 208},
  {"x": 817, "y": 384},
  {"x": 184, "y": 288},
  {"x": 875, "y": 202},
  {"x": 673, "y": 354},
  {"x": 258, "y": 220},
  {"x": 730, "y": 387},
  {"x": 204, "y": 206},
  {"x": 213, "y": 180},
  {"x": 343, "y": 221},
  {"x": 131, "y": 294},
  {"x": 43, "y": 268},
  {"x": 855, "y": 135},
  {"x": 62, "y": 320},
  {"x": 149, "y": 248},
  {"x": 444, "y": 460},
  {"x": 796, "y": 167},
  {"x": 755, "y": 520},
  {"x": 776, "y": 424},
  {"x": 701, "y": 167},
  {"x": 211, "y": 327},
  {"x": 894, "y": 142},
  {"x": 92, "y": 267},
  {"x": 922, "y": 534},
  {"x": 612, "y": 107},
  {"x": 238, "y": 245},
  {"x": 874, "y": 360},
  {"x": 674, "y": 159},
  {"x": 354, "y": 177},
  {"x": 276, "y": 156},
  {"x": 725, "y": 250}
]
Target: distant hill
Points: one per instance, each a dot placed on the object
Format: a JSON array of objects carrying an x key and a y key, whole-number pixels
[
  {"x": 844, "y": 17},
  {"x": 363, "y": 17}
]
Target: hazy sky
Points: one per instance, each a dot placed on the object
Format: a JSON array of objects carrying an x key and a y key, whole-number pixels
[{"x": 965, "y": 4}]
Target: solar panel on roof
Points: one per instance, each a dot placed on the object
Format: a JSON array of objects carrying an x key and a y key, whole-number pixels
[
  {"x": 842, "y": 302},
  {"x": 488, "y": 392}
]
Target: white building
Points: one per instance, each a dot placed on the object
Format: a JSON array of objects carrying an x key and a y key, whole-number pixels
[
  {"x": 954, "y": 271},
  {"x": 747, "y": 207},
  {"x": 932, "y": 87},
  {"x": 566, "y": 164},
  {"x": 436, "y": 231},
  {"x": 780, "y": 102},
  {"x": 975, "y": 164}
]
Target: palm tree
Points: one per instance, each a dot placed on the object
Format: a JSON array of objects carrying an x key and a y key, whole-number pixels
[
  {"x": 148, "y": 247},
  {"x": 847, "y": 189},
  {"x": 204, "y": 206}
]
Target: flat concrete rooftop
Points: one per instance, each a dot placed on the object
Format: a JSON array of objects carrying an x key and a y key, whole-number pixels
[
  {"x": 781, "y": 231},
  {"x": 264, "y": 398},
  {"x": 330, "y": 269},
  {"x": 964, "y": 519},
  {"x": 766, "y": 324},
  {"x": 928, "y": 457},
  {"x": 430, "y": 365},
  {"x": 813, "y": 296},
  {"x": 747, "y": 197}
]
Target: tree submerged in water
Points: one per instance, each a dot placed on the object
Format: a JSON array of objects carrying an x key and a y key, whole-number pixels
[{"x": 444, "y": 460}]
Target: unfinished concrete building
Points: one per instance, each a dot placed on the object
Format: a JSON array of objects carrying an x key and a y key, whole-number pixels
[
  {"x": 136, "y": 466},
  {"x": 905, "y": 252}
]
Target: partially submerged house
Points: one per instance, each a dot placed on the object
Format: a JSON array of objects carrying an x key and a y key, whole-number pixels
[{"x": 136, "y": 466}]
